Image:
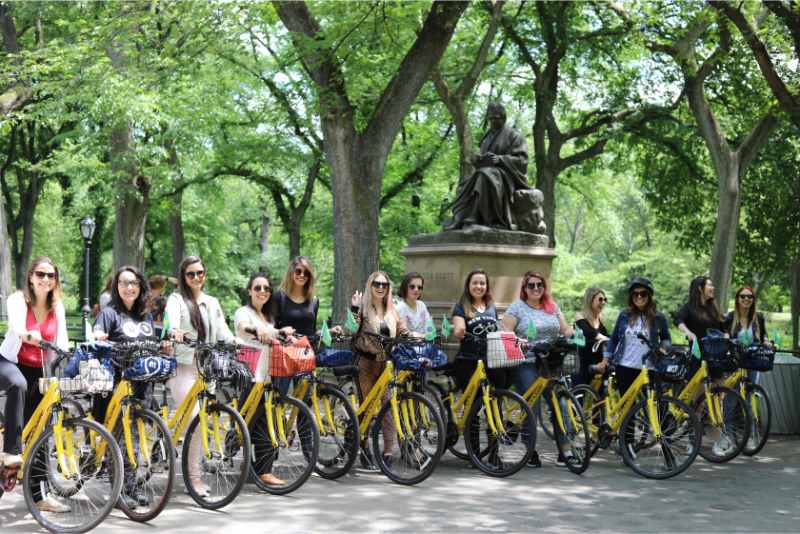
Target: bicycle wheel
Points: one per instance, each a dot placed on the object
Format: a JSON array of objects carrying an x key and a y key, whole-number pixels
[
  {"x": 572, "y": 438},
  {"x": 666, "y": 455},
  {"x": 454, "y": 440},
  {"x": 338, "y": 435},
  {"x": 90, "y": 486},
  {"x": 723, "y": 441},
  {"x": 594, "y": 410},
  {"x": 411, "y": 456},
  {"x": 215, "y": 478},
  {"x": 294, "y": 458},
  {"x": 761, "y": 416},
  {"x": 502, "y": 451},
  {"x": 148, "y": 485}
]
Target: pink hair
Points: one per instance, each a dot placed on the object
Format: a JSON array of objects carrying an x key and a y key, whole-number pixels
[{"x": 548, "y": 304}]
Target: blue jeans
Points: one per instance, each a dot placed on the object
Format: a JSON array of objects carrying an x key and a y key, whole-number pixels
[{"x": 524, "y": 376}]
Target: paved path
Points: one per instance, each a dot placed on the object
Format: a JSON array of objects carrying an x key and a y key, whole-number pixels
[{"x": 760, "y": 494}]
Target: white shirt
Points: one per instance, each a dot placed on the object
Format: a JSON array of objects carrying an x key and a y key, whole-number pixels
[
  {"x": 416, "y": 320},
  {"x": 17, "y": 311},
  {"x": 177, "y": 313},
  {"x": 635, "y": 349}
]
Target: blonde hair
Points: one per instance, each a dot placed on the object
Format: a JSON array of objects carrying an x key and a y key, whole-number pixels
[
  {"x": 288, "y": 281},
  {"x": 368, "y": 311},
  {"x": 588, "y": 298}
]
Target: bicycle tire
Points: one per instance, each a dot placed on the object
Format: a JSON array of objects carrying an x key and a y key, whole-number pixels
[
  {"x": 234, "y": 457},
  {"x": 103, "y": 481},
  {"x": 762, "y": 419},
  {"x": 454, "y": 438},
  {"x": 338, "y": 439},
  {"x": 736, "y": 425},
  {"x": 426, "y": 428},
  {"x": 594, "y": 409},
  {"x": 297, "y": 456},
  {"x": 677, "y": 421},
  {"x": 162, "y": 462},
  {"x": 519, "y": 426},
  {"x": 577, "y": 431}
]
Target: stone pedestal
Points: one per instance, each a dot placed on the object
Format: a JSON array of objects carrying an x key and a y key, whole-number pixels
[{"x": 445, "y": 259}]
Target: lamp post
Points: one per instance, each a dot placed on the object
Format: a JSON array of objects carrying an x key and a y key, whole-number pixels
[{"x": 87, "y": 232}]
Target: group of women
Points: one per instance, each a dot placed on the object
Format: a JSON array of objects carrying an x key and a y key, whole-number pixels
[{"x": 37, "y": 313}]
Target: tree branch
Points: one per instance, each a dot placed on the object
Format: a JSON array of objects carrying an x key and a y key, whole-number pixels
[
  {"x": 469, "y": 81},
  {"x": 757, "y": 137}
]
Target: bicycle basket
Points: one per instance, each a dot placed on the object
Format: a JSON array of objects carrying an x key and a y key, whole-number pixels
[
  {"x": 672, "y": 367},
  {"x": 221, "y": 366},
  {"x": 408, "y": 357},
  {"x": 503, "y": 350},
  {"x": 333, "y": 357},
  {"x": 716, "y": 352},
  {"x": 758, "y": 358},
  {"x": 151, "y": 368},
  {"x": 292, "y": 360}
]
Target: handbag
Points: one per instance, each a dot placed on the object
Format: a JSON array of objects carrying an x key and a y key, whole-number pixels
[
  {"x": 291, "y": 360},
  {"x": 367, "y": 344}
]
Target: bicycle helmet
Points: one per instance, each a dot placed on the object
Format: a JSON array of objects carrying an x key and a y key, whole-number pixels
[{"x": 641, "y": 281}]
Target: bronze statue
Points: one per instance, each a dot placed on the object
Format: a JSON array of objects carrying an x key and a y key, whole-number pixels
[{"x": 498, "y": 189}]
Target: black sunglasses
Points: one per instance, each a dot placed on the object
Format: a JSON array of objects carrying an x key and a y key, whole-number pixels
[
  {"x": 43, "y": 275},
  {"x": 413, "y": 286},
  {"x": 195, "y": 274},
  {"x": 602, "y": 299},
  {"x": 641, "y": 293},
  {"x": 535, "y": 285},
  {"x": 259, "y": 289},
  {"x": 747, "y": 297},
  {"x": 301, "y": 272},
  {"x": 380, "y": 285}
]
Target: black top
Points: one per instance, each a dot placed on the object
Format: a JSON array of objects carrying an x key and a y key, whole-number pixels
[
  {"x": 586, "y": 354},
  {"x": 122, "y": 327},
  {"x": 302, "y": 317},
  {"x": 483, "y": 323},
  {"x": 696, "y": 321},
  {"x": 734, "y": 330}
]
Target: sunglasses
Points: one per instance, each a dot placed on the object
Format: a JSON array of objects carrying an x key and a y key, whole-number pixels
[
  {"x": 301, "y": 272},
  {"x": 412, "y": 287},
  {"x": 259, "y": 289},
  {"x": 42, "y": 275},
  {"x": 195, "y": 274},
  {"x": 535, "y": 285},
  {"x": 602, "y": 299},
  {"x": 128, "y": 283},
  {"x": 641, "y": 294},
  {"x": 746, "y": 297},
  {"x": 380, "y": 285}
]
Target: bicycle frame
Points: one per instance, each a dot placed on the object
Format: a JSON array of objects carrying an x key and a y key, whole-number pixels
[
  {"x": 616, "y": 410},
  {"x": 689, "y": 392},
  {"x": 535, "y": 392},
  {"x": 738, "y": 381},
  {"x": 463, "y": 405},
  {"x": 119, "y": 406},
  {"x": 180, "y": 420}
]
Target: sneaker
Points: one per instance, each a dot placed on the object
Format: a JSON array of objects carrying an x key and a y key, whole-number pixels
[
  {"x": 534, "y": 460},
  {"x": 566, "y": 458},
  {"x": 722, "y": 446},
  {"x": 271, "y": 480},
  {"x": 10, "y": 460},
  {"x": 50, "y": 504}
]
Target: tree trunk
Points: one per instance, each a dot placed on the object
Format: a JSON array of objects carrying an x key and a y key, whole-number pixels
[
  {"x": 22, "y": 252},
  {"x": 795, "y": 298},
  {"x": 5, "y": 255},
  {"x": 176, "y": 231},
  {"x": 465, "y": 142},
  {"x": 725, "y": 232},
  {"x": 263, "y": 241},
  {"x": 132, "y": 199},
  {"x": 546, "y": 183}
]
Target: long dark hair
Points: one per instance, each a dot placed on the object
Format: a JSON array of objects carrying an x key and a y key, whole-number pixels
[
  {"x": 466, "y": 298},
  {"x": 54, "y": 295},
  {"x": 265, "y": 309},
  {"x": 744, "y": 321},
  {"x": 139, "y": 307},
  {"x": 709, "y": 309},
  {"x": 188, "y": 295},
  {"x": 650, "y": 311}
]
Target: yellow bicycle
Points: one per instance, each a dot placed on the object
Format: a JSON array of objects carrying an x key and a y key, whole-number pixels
[
  {"x": 62, "y": 458},
  {"x": 659, "y": 436}
]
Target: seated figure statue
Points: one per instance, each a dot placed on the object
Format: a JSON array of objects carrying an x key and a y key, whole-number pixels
[{"x": 488, "y": 197}]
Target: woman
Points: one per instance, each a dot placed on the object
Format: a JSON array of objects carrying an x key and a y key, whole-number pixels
[
  {"x": 294, "y": 306},
  {"x": 34, "y": 314},
  {"x": 192, "y": 313},
  {"x": 534, "y": 306},
  {"x": 411, "y": 309},
  {"x": 590, "y": 321},
  {"x": 640, "y": 317},
  {"x": 745, "y": 317},
  {"x": 474, "y": 315},
  {"x": 698, "y": 316},
  {"x": 255, "y": 315},
  {"x": 376, "y": 315}
]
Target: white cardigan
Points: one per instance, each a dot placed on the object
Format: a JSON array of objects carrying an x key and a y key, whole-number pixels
[
  {"x": 17, "y": 311},
  {"x": 178, "y": 314}
]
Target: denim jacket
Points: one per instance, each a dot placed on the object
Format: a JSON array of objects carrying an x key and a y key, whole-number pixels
[{"x": 616, "y": 345}]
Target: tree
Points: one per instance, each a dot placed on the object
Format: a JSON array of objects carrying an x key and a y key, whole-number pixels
[
  {"x": 357, "y": 156},
  {"x": 730, "y": 162},
  {"x": 553, "y": 42}
]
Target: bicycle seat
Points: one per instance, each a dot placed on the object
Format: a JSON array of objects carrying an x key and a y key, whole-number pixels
[{"x": 347, "y": 370}]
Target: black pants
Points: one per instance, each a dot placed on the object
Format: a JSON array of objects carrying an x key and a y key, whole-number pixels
[
  {"x": 626, "y": 376},
  {"x": 464, "y": 368},
  {"x": 32, "y": 400}
]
